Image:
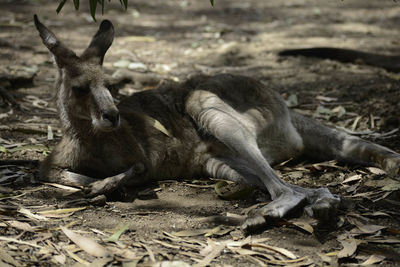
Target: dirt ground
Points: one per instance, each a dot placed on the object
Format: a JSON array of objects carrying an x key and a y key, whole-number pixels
[{"x": 174, "y": 223}]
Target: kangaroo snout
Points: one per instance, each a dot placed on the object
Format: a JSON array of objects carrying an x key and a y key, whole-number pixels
[{"x": 111, "y": 117}]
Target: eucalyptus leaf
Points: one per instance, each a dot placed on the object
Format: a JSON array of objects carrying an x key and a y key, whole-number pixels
[
  {"x": 124, "y": 3},
  {"x": 115, "y": 237},
  {"x": 93, "y": 5},
  {"x": 76, "y": 4},
  {"x": 3, "y": 149},
  {"x": 60, "y": 6}
]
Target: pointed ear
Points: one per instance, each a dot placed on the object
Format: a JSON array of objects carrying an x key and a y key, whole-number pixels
[
  {"x": 63, "y": 56},
  {"x": 100, "y": 42}
]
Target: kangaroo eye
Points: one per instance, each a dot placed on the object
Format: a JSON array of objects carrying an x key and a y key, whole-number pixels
[{"x": 81, "y": 90}]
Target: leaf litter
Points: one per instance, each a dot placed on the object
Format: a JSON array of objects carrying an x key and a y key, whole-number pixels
[{"x": 373, "y": 195}]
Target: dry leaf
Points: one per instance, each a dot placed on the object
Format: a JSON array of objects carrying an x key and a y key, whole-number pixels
[
  {"x": 282, "y": 251},
  {"x": 392, "y": 187},
  {"x": 383, "y": 241},
  {"x": 30, "y": 215},
  {"x": 373, "y": 259},
  {"x": 65, "y": 187},
  {"x": 302, "y": 224},
  {"x": 21, "y": 225},
  {"x": 60, "y": 211},
  {"x": 194, "y": 232},
  {"x": 87, "y": 244},
  {"x": 349, "y": 247},
  {"x": 115, "y": 237},
  {"x": 61, "y": 258},
  {"x": 352, "y": 178},
  {"x": 375, "y": 170},
  {"x": 9, "y": 239},
  {"x": 365, "y": 228},
  {"x": 212, "y": 251},
  {"x": 75, "y": 257},
  {"x": 4, "y": 256}
]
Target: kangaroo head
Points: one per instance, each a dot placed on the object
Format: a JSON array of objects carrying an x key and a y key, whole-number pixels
[{"x": 82, "y": 94}]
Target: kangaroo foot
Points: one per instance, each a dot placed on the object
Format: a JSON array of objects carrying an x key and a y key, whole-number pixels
[
  {"x": 322, "y": 204},
  {"x": 318, "y": 203},
  {"x": 111, "y": 184},
  {"x": 275, "y": 210}
]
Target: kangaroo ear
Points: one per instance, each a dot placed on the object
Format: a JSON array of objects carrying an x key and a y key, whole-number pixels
[
  {"x": 63, "y": 56},
  {"x": 100, "y": 43}
]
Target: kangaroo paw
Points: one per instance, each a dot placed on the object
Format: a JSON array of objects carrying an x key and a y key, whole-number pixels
[
  {"x": 275, "y": 210},
  {"x": 318, "y": 203}
]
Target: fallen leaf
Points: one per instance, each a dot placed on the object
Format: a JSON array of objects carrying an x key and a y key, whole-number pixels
[
  {"x": 373, "y": 259},
  {"x": 377, "y": 214},
  {"x": 21, "y": 225},
  {"x": 134, "y": 38},
  {"x": 212, "y": 251},
  {"x": 65, "y": 187},
  {"x": 383, "y": 240},
  {"x": 75, "y": 257},
  {"x": 392, "y": 187},
  {"x": 87, "y": 244},
  {"x": 50, "y": 135},
  {"x": 115, "y": 237},
  {"x": 376, "y": 171},
  {"x": 339, "y": 110},
  {"x": 30, "y": 215},
  {"x": 4, "y": 256},
  {"x": 364, "y": 227},
  {"x": 60, "y": 258},
  {"x": 194, "y": 232},
  {"x": 302, "y": 225},
  {"x": 60, "y": 211},
  {"x": 38, "y": 148},
  {"x": 349, "y": 248},
  {"x": 282, "y": 251},
  {"x": 380, "y": 183},
  {"x": 9, "y": 239},
  {"x": 326, "y": 98},
  {"x": 352, "y": 178}
]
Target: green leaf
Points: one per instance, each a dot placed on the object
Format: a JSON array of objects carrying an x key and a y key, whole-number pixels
[
  {"x": 212, "y": 2},
  {"x": 102, "y": 7},
  {"x": 3, "y": 149},
  {"x": 118, "y": 233},
  {"x": 76, "y": 4},
  {"x": 60, "y": 6},
  {"x": 124, "y": 3},
  {"x": 93, "y": 5},
  {"x": 38, "y": 148}
]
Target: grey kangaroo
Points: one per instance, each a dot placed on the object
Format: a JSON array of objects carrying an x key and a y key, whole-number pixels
[{"x": 225, "y": 126}]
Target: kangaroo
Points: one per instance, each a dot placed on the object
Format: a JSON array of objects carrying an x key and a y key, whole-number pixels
[
  {"x": 225, "y": 126},
  {"x": 389, "y": 63}
]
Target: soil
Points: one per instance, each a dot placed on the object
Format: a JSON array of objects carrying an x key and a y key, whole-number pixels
[{"x": 175, "y": 39}]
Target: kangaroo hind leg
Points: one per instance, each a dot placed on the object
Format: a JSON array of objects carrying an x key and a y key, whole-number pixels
[
  {"x": 322, "y": 142},
  {"x": 232, "y": 129}
]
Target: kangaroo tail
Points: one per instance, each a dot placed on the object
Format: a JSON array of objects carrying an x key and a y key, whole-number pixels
[{"x": 390, "y": 63}]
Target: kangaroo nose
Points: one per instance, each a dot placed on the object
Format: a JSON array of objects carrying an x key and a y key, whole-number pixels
[{"x": 111, "y": 116}]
